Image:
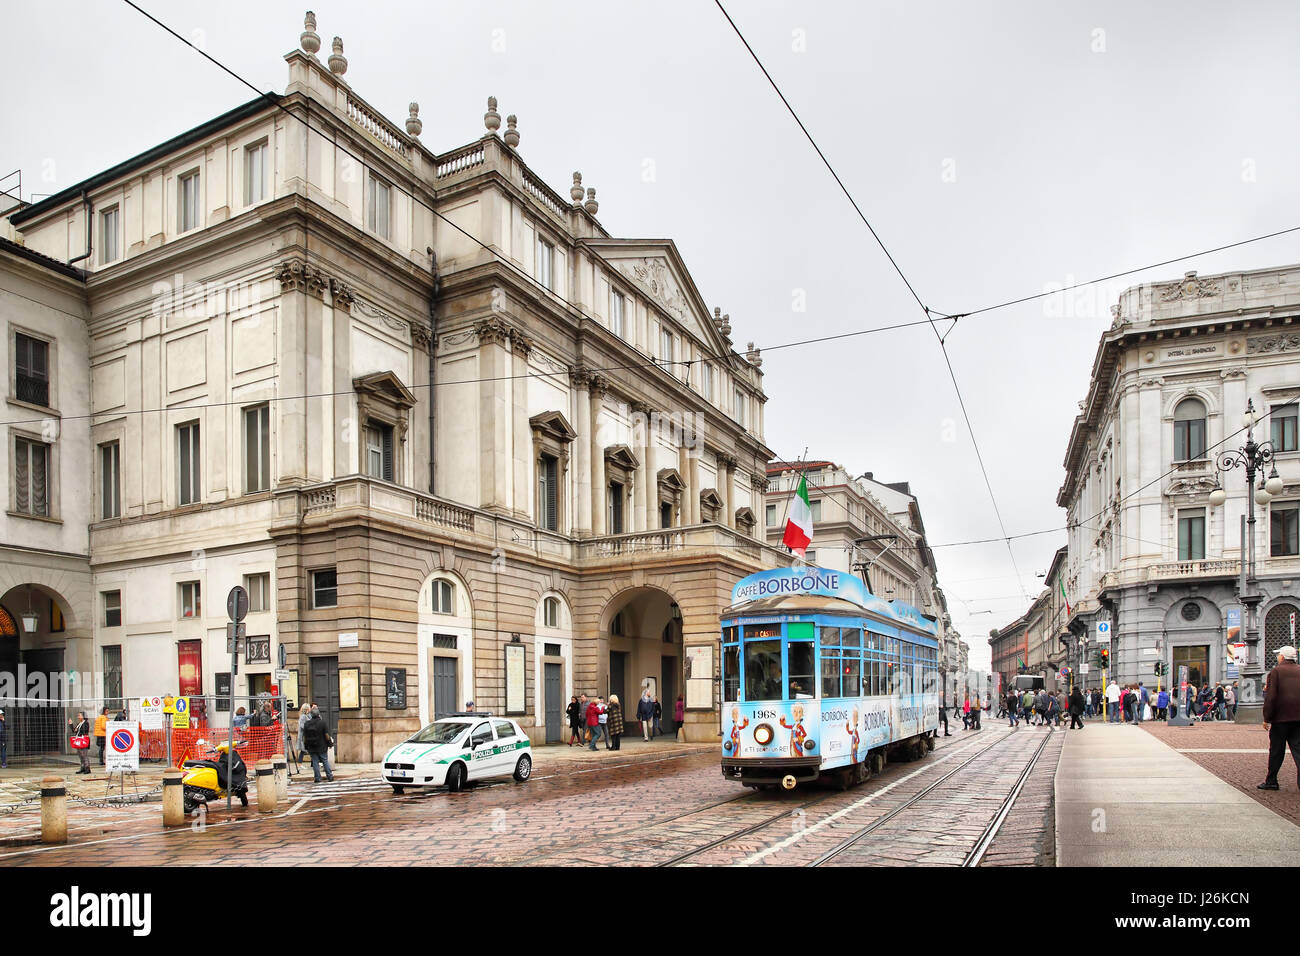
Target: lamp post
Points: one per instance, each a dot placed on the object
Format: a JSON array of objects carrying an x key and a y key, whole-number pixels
[{"x": 1253, "y": 456}]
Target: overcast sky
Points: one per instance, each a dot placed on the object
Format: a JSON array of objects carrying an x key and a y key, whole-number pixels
[{"x": 997, "y": 148}]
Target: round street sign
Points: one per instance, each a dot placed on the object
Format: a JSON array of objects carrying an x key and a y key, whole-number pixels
[
  {"x": 123, "y": 741},
  {"x": 237, "y": 604}
]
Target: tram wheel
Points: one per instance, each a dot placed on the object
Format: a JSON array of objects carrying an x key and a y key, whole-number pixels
[
  {"x": 878, "y": 762},
  {"x": 918, "y": 749},
  {"x": 843, "y": 779},
  {"x": 861, "y": 772},
  {"x": 929, "y": 743}
]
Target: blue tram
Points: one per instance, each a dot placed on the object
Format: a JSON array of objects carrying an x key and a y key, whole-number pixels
[{"x": 820, "y": 677}]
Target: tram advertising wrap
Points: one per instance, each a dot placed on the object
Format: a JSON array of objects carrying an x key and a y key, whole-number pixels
[{"x": 778, "y": 729}]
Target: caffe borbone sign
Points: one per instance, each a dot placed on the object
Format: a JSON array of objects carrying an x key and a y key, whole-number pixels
[{"x": 836, "y": 584}]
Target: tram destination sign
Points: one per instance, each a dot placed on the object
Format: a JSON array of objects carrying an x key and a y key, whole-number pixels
[{"x": 783, "y": 582}]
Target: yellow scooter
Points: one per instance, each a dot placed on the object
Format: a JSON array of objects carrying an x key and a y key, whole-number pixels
[{"x": 206, "y": 779}]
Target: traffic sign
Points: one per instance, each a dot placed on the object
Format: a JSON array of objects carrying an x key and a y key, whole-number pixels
[
  {"x": 280, "y": 675},
  {"x": 237, "y": 604},
  {"x": 123, "y": 751},
  {"x": 236, "y": 633},
  {"x": 181, "y": 714},
  {"x": 1103, "y": 632},
  {"x": 151, "y": 713}
]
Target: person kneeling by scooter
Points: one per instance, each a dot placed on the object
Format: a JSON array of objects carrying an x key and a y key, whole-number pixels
[{"x": 214, "y": 777}]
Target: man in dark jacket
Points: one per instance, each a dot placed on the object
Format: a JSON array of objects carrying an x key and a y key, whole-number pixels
[
  {"x": 1282, "y": 715},
  {"x": 1076, "y": 709},
  {"x": 316, "y": 739}
]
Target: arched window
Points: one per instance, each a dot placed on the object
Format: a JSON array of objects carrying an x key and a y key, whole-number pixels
[
  {"x": 551, "y": 612},
  {"x": 1277, "y": 632},
  {"x": 1189, "y": 430},
  {"x": 443, "y": 597}
]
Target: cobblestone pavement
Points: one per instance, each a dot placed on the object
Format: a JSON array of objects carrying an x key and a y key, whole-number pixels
[
  {"x": 643, "y": 805},
  {"x": 1236, "y": 754}
]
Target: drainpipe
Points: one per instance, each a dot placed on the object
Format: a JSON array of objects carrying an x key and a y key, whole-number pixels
[
  {"x": 433, "y": 344},
  {"x": 90, "y": 225}
]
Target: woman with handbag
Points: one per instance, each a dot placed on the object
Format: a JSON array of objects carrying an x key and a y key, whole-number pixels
[
  {"x": 79, "y": 738},
  {"x": 615, "y": 720}
]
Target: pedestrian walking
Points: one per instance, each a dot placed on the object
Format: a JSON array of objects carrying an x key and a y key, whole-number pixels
[
  {"x": 679, "y": 717},
  {"x": 1076, "y": 710},
  {"x": 1282, "y": 715},
  {"x": 316, "y": 735},
  {"x": 1220, "y": 702},
  {"x": 1011, "y": 707},
  {"x": 975, "y": 709},
  {"x": 593, "y": 722},
  {"x": 80, "y": 728},
  {"x": 604, "y": 721},
  {"x": 576, "y": 722},
  {"x": 658, "y": 717},
  {"x": 1027, "y": 706},
  {"x": 1112, "y": 701},
  {"x": 303, "y": 716},
  {"x": 1143, "y": 709},
  {"x": 645, "y": 712},
  {"x": 1162, "y": 705},
  {"x": 943, "y": 719},
  {"x": 965, "y": 714},
  {"x": 614, "y": 721},
  {"x": 4, "y": 741},
  {"x": 1236, "y": 695}
]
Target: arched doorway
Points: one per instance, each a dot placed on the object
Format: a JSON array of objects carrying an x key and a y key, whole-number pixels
[
  {"x": 644, "y": 629},
  {"x": 446, "y": 645},
  {"x": 41, "y": 670},
  {"x": 1280, "y": 627}
]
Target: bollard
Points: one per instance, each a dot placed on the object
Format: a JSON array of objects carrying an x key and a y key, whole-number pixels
[
  {"x": 266, "y": 796},
  {"x": 173, "y": 798},
  {"x": 54, "y": 810},
  {"x": 281, "y": 767}
]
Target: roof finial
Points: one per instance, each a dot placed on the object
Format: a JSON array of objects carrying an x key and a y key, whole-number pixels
[
  {"x": 492, "y": 119},
  {"x": 726, "y": 326},
  {"x": 511, "y": 135},
  {"x": 338, "y": 63},
  {"x": 309, "y": 40},
  {"x": 414, "y": 125},
  {"x": 591, "y": 205},
  {"x": 575, "y": 191}
]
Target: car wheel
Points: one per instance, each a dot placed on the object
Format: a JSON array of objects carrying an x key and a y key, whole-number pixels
[
  {"x": 524, "y": 768},
  {"x": 456, "y": 777},
  {"x": 397, "y": 789}
]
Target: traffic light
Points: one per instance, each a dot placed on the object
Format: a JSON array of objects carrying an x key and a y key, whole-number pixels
[
  {"x": 1159, "y": 668},
  {"x": 1105, "y": 658}
]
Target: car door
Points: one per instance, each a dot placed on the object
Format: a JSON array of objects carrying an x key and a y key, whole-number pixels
[
  {"x": 482, "y": 748},
  {"x": 507, "y": 747}
]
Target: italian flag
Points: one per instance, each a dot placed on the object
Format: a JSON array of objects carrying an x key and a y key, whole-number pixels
[
  {"x": 799, "y": 525},
  {"x": 1061, "y": 584}
]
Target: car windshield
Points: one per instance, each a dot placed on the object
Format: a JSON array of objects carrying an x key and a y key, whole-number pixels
[{"x": 439, "y": 732}]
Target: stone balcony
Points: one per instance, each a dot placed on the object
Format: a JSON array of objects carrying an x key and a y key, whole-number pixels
[{"x": 372, "y": 500}]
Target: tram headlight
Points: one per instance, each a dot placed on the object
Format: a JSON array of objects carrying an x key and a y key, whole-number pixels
[{"x": 764, "y": 734}]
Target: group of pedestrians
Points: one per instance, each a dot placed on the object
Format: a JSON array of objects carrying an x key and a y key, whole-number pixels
[
  {"x": 1044, "y": 708},
  {"x": 1211, "y": 703},
  {"x": 591, "y": 719}
]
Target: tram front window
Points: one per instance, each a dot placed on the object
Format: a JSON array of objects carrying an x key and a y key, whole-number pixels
[
  {"x": 731, "y": 672},
  {"x": 763, "y": 670},
  {"x": 800, "y": 656}
]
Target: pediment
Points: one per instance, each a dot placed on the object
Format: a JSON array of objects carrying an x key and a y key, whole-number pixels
[
  {"x": 710, "y": 498},
  {"x": 553, "y": 424},
  {"x": 670, "y": 477},
  {"x": 656, "y": 269},
  {"x": 744, "y": 516},
  {"x": 623, "y": 457},
  {"x": 385, "y": 386}
]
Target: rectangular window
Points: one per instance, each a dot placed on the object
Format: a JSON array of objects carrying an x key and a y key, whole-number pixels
[
  {"x": 763, "y": 672},
  {"x": 665, "y": 515},
  {"x": 113, "y": 676},
  {"x": 665, "y": 345},
  {"x": 545, "y": 263},
  {"x": 112, "y": 608},
  {"x": 188, "y": 202},
  {"x": 799, "y": 654},
  {"x": 258, "y": 587},
  {"x": 379, "y": 451},
  {"x": 190, "y": 599},
  {"x": 548, "y": 493},
  {"x": 188, "y": 464},
  {"x": 810, "y": 556},
  {"x": 108, "y": 233},
  {"x": 110, "y": 480},
  {"x": 771, "y": 516},
  {"x": 706, "y": 381},
  {"x": 1189, "y": 440},
  {"x": 731, "y": 673},
  {"x": 815, "y": 510},
  {"x": 324, "y": 588},
  {"x": 257, "y": 449},
  {"x": 617, "y": 302},
  {"x": 1284, "y": 529},
  {"x": 616, "y": 496},
  {"x": 32, "y": 368},
  {"x": 740, "y": 407},
  {"x": 1191, "y": 535},
  {"x": 1284, "y": 420},
  {"x": 31, "y": 477},
  {"x": 255, "y": 173},
  {"x": 378, "y": 206}
]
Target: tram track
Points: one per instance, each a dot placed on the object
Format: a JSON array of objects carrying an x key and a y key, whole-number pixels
[{"x": 990, "y": 831}]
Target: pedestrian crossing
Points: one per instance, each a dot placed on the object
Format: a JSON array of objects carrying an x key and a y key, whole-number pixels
[{"x": 299, "y": 789}]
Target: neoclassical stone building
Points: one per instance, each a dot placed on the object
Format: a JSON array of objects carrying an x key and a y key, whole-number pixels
[
  {"x": 456, "y": 440},
  {"x": 1170, "y": 386}
]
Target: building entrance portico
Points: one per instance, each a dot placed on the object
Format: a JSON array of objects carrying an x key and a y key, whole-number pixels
[{"x": 645, "y": 640}]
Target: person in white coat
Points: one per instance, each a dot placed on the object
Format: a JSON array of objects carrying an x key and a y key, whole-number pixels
[{"x": 1112, "y": 702}]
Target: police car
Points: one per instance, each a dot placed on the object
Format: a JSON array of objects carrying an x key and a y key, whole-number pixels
[{"x": 457, "y": 749}]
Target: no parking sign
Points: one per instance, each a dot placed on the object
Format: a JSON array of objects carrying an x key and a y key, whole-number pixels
[{"x": 123, "y": 751}]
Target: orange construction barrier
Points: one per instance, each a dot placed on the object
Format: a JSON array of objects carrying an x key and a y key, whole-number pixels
[{"x": 251, "y": 743}]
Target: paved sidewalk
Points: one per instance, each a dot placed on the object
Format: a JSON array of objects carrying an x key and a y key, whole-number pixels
[{"x": 1124, "y": 798}]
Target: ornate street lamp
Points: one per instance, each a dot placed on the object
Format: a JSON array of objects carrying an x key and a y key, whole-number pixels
[{"x": 1253, "y": 456}]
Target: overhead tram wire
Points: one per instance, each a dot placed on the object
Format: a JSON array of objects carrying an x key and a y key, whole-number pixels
[{"x": 893, "y": 262}]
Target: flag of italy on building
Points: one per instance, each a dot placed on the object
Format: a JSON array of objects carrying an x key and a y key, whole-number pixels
[{"x": 799, "y": 525}]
